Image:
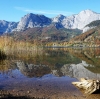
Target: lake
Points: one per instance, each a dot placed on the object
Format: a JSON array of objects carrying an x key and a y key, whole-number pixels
[{"x": 49, "y": 72}]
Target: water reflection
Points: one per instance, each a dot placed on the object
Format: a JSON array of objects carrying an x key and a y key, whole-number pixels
[
  {"x": 59, "y": 62},
  {"x": 31, "y": 70},
  {"x": 78, "y": 71}
]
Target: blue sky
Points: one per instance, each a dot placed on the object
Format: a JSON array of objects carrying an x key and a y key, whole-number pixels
[{"x": 13, "y": 10}]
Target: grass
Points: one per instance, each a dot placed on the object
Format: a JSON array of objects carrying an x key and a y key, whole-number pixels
[{"x": 8, "y": 43}]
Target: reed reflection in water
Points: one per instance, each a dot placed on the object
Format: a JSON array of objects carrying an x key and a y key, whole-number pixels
[
  {"x": 45, "y": 71},
  {"x": 52, "y": 61}
]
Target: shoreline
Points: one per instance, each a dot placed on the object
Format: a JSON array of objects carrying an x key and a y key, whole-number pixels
[
  {"x": 56, "y": 88},
  {"x": 46, "y": 89}
]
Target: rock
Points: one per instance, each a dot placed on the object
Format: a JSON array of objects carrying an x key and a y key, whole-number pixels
[
  {"x": 6, "y": 26},
  {"x": 28, "y": 92},
  {"x": 89, "y": 86},
  {"x": 33, "y": 20}
]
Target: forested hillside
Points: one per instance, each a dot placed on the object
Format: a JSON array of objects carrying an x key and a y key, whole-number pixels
[{"x": 50, "y": 33}]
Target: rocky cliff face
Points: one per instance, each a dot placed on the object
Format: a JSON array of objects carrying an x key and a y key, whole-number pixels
[
  {"x": 78, "y": 21},
  {"x": 6, "y": 26},
  {"x": 58, "y": 18},
  {"x": 30, "y": 20},
  {"x": 33, "y": 20}
]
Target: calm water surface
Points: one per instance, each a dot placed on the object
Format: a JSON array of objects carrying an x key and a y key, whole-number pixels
[{"x": 48, "y": 71}]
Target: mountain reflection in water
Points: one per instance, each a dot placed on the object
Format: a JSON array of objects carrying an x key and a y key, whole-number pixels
[
  {"x": 71, "y": 62},
  {"x": 32, "y": 70}
]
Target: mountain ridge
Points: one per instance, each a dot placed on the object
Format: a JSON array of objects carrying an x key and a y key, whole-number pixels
[{"x": 76, "y": 21}]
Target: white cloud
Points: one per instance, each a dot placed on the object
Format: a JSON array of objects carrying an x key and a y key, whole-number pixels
[{"x": 50, "y": 12}]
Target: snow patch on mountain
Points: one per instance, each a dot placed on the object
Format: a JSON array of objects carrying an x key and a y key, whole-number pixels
[{"x": 87, "y": 28}]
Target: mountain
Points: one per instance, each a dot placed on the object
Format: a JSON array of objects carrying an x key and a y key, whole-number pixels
[
  {"x": 77, "y": 21},
  {"x": 6, "y": 26},
  {"x": 83, "y": 36},
  {"x": 50, "y": 33},
  {"x": 58, "y": 18},
  {"x": 91, "y": 38},
  {"x": 33, "y": 20},
  {"x": 91, "y": 25},
  {"x": 80, "y": 20}
]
